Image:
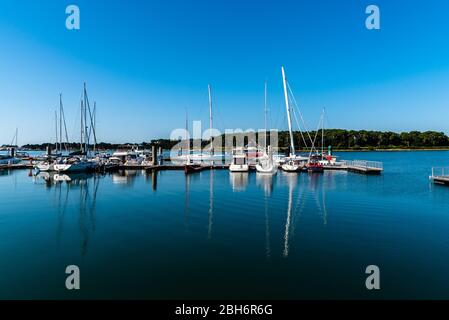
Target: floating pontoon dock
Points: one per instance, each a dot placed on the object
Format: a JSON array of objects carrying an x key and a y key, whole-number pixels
[
  {"x": 358, "y": 166},
  {"x": 16, "y": 166},
  {"x": 440, "y": 175}
]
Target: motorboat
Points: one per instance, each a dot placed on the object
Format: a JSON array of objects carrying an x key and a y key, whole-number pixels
[
  {"x": 75, "y": 165},
  {"x": 314, "y": 165},
  {"x": 239, "y": 162}
]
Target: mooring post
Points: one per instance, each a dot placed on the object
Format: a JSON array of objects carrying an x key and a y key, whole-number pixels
[
  {"x": 160, "y": 155},
  {"x": 153, "y": 155}
]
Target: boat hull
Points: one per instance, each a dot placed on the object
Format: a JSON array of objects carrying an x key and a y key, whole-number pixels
[
  {"x": 239, "y": 168},
  {"x": 315, "y": 169},
  {"x": 75, "y": 167},
  {"x": 291, "y": 167},
  {"x": 45, "y": 167},
  {"x": 192, "y": 168},
  {"x": 270, "y": 169}
]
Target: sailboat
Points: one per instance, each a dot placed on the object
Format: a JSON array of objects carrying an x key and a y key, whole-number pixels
[
  {"x": 266, "y": 163},
  {"x": 81, "y": 163},
  {"x": 54, "y": 157},
  {"x": 292, "y": 163},
  {"x": 189, "y": 166},
  {"x": 314, "y": 164}
]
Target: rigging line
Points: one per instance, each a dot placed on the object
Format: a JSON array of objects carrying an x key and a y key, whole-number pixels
[
  {"x": 302, "y": 135},
  {"x": 316, "y": 134},
  {"x": 299, "y": 126},
  {"x": 299, "y": 110},
  {"x": 14, "y": 138},
  {"x": 91, "y": 129},
  {"x": 65, "y": 125}
]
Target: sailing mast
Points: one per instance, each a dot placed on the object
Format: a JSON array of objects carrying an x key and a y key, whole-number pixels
[
  {"x": 95, "y": 126},
  {"x": 209, "y": 89},
  {"x": 187, "y": 138},
  {"x": 62, "y": 121},
  {"x": 86, "y": 136},
  {"x": 287, "y": 106},
  {"x": 60, "y": 124},
  {"x": 56, "y": 128},
  {"x": 265, "y": 114},
  {"x": 322, "y": 135},
  {"x": 91, "y": 120},
  {"x": 82, "y": 128}
]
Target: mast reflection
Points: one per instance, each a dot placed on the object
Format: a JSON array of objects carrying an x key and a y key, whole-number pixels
[
  {"x": 85, "y": 186},
  {"x": 292, "y": 179},
  {"x": 211, "y": 203}
]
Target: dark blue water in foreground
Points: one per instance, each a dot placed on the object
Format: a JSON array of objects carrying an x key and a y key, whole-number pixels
[{"x": 214, "y": 235}]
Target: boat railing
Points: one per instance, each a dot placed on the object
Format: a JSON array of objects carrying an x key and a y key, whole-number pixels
[
  {"x": 363, "y": 164},
  {"x": 440, "y": 172}
]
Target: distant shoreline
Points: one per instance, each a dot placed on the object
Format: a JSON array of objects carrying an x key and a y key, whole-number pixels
[
  {"x": 391, "y": 150},
  {"x": 333, "y": 150}
]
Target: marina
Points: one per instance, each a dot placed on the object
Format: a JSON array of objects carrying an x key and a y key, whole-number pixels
[
  {"x": 158, "y": 231},
  {"x": 224, "y": 152}
]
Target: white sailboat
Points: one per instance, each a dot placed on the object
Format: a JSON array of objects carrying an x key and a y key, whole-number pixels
[
  {"x": 209, "y": 157},
  {"x": 292, "y": 162},
  {"x": 82, "y": 163},
  {"x": 266, "y": 163},
  {"x": 52, "y": 158}
]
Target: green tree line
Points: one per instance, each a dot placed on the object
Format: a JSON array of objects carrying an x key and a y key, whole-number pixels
[{"x": 337, "y": 138}]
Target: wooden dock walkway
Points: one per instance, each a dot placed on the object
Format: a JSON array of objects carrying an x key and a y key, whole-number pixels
[
  {"x": 16, "y": 166},
  {"x": 357, "y": 166}
]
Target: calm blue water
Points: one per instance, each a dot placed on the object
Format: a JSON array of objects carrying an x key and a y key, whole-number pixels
[{"x": 214, "y": 235}]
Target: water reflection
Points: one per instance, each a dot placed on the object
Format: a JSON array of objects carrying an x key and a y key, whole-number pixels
[
  {"x": 238, "y": 180},
  {"x": 291, "y": 179},
  {"x": 125, "y": 177},
  {"x": 303, "y": 192},
  {"x": 211, "y": 204},
  {"x": 82, "y": 189},
  {"x": 266, "y": 182},
  {"x": 311, "y": 195}
]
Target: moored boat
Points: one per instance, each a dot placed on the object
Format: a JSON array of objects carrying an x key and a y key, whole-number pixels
[
  {"x": 314, "y": 165},
  {"x": 266, "y": 164},
  {"x": 239, "y": 162},
  {"x": 75, "y": 165}
]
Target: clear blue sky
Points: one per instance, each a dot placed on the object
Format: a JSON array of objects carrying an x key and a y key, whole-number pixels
[{"x": 146, "y": 61}]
